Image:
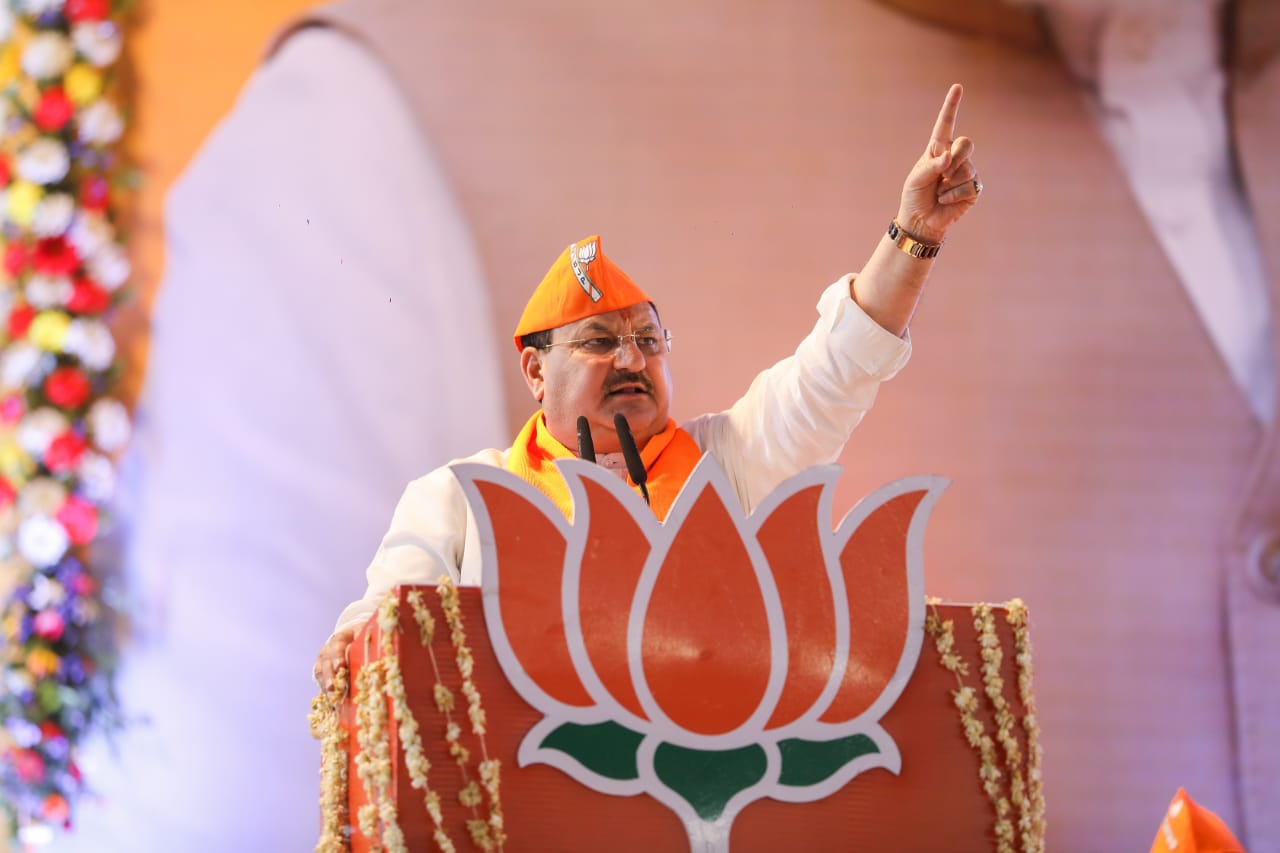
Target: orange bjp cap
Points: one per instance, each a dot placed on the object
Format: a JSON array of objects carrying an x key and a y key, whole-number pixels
[
  {"x": 581, "y": 283},
  {"x": 1191, "y": 828}
]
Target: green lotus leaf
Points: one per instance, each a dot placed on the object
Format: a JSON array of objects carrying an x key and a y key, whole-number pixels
[
  {"x": 708, "y": 779},
  {"x": 606, "y": 749},
  {"x": 808, "y": 762}
]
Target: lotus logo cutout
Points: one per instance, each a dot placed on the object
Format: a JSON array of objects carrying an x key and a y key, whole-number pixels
[{"x": 713, "y": 659}]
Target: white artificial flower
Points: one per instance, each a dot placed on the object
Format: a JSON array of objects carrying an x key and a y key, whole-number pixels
[
  {"x": 97, "y": 477},
  {"x": 100, "y": 124},
  {"x": 110, "y": 266},
  {"x": 108, "y": 424},
  {"x": 98, "y": 41},
  {"x": 6, "y": 22},
  {"x": 7, "y": 298},
  {"x": 90, "y": 231},
  {"x": 91, "y": 342},
  {"x": 40, "y": 7},
  {"x": 48, "y": 291},
  {"x": 18, "y": 364},
  {"x": 46, "y": 592},
  {"x": 47, "y": 55},
  {"x": 42, "y": 540},
  {"x": 42, "y": 496},
  {"x": 53, "y": 215},
  {"x": 37, "y": 429},
  {"x": 44, "y": 161}
]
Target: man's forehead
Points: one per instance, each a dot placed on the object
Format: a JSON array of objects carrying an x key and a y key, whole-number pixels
[{"x": 637, "y": 316}]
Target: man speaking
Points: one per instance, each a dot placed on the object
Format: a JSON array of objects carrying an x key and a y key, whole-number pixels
[{"x": 592, "y": 347}]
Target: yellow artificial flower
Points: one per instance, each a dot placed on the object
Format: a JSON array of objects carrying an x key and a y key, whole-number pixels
[
  {"x": 22, "y": 200},
  {"x": 42, "y": 662},
  {"x": 82, "y": 83},
  {"x": 49, "y": 330},
  {"x": 8, "y": 64},
  {"x": 16, "y": 464}
]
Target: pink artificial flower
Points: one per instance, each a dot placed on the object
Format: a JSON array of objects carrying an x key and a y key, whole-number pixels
[
  {"x": 80, "y": 518},
  {"x": 49, "y": 624},
  {"x": 12, "y": 408}
]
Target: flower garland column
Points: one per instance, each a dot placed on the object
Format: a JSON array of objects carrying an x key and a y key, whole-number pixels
[{"x": 62, "y": 270}]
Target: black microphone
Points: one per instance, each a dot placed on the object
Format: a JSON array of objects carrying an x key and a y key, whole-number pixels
[
  {"x": 635, "y": 465},
  {"x": 586, "y": 447}
]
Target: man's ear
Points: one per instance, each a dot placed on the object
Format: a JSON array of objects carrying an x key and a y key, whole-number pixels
[{"x": 531, "y": 368}]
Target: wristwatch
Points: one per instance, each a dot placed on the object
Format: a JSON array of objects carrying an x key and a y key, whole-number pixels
[{"x": 913, "y": 247}]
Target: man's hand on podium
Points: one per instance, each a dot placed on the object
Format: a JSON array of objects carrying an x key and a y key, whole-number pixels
[{"x": 332, "y": 657}]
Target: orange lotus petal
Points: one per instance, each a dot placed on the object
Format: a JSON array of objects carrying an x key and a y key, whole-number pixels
[
  {"x": 530, "y": 555},
  {"x": 874, "y": 562},
  {"x": 706, "y": 591},
  {"x": 611, "y": 566},
  {"x": 792, "y": 541}
]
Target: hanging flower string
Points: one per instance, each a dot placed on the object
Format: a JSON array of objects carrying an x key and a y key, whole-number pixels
[
  {"x": 373, "y": 764},
  {"x": 1029, "y": 798},
  {"x": 326, "y": 728},
  {"x": 62, "y": 268},
  {"x": 444, "y": 703},
  {"x": 490, "y": 834},
  {"x": 1034, "y": 832}
]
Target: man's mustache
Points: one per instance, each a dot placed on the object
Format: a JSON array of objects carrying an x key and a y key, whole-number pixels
[{"x": 618, "y": 380}]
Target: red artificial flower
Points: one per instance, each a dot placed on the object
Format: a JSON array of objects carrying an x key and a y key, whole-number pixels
[
  {"x": 87, "y": 10},
  {"x": 49, "y": 625},
  {"x": 49, "y": 730},
  {"x": 55, "y": 256},
  {"x": 80, "y": 518},
  {"x": 53, "y": 110},
  {"x": 5, "y": 172},
  {"x": 95, "y": 192},
  {"x": 56, "y": 809},
  {"x": 66, "y": 387},
  {"x": 87, "y": 297},
  {"x": 19, "y": 321},
  {"x": 16, "y": 258},
  {"x": 7, "y": 494},
  {"x": 64, "y": 452},
  {"x": 12, "y": 408}
]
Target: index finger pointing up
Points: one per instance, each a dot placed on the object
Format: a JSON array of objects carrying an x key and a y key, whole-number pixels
[{"x": 945, "y": 127}]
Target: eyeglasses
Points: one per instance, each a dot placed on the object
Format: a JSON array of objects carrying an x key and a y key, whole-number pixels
[{"x": 650, "y": 342}]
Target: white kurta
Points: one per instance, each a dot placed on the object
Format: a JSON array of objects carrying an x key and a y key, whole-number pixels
[{"x": 796, "y": 414}]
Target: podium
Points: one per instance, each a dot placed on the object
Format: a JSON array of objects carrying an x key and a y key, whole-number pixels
[{"x": 712, "y": 682}]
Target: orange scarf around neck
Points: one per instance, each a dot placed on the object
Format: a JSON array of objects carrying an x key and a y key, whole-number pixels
[{"x": 669, "y": 459}]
